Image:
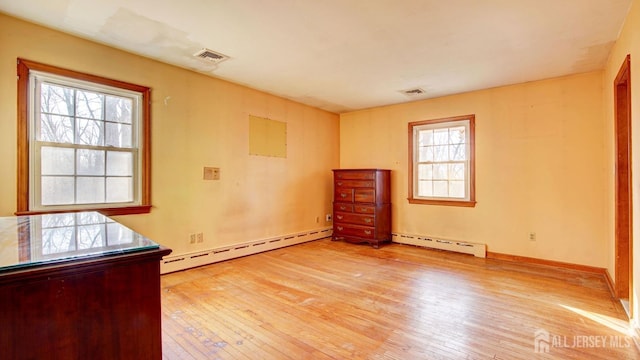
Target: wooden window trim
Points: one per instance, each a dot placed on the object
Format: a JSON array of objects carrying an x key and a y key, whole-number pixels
[
  {"x": 24, "y": 66},
  {"x": 472, "y": 167}
]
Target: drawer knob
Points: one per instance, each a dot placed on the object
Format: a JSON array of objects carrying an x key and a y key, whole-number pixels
[
  {"x": 339, "y": 217},
  {"x": 368, "y": 232},
  {"x": 339, "y": 183},
  {"x": 367, "y": 220},
  {"x": 340, "y": 228},
  {"x": 343, "y": 195},
  {"x": 343, "y": 208}
]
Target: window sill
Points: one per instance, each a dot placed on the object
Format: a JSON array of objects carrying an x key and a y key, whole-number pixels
[
  {"x": 443, "y": 202},
  {"x": 129, "y": 210}
]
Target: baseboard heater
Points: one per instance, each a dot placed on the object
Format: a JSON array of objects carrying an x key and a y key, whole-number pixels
[
  {"x": 210, "y": 256},
  {"x": 479, "y": 250}
]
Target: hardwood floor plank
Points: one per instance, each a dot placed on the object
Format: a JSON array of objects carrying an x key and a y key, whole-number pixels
[
  {"x": 201, "y": 320},
  {"x": 332, "y": 300}
]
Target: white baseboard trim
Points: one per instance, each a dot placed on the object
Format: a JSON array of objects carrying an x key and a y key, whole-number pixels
[
  {"x": 204, "y": 257},
  {"x": 478, "y": 250}
]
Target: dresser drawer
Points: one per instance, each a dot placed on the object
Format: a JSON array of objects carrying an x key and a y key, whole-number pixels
[
  {"x": 342, "y": 207},
  {"x": 355, "y": 183},
  {"x": 342, "y": 229},
  {"x": 365, "y": 195},
  {"x": 352, "y": 218},
  {"x": 364, "y": 209},
  {"x": 345, "y": 195},
  {"x": 356, "y": 175}
]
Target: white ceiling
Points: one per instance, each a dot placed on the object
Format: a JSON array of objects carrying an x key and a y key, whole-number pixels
[{"x": 343, "y": 55}]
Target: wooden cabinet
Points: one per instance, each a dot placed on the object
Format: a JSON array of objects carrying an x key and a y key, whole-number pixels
[
  {"x": 97, "y": 299},
  {"x": 362, "y": 205}
]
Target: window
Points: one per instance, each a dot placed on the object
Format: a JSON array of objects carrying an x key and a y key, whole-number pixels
[
  {"x": 441, "y": 161},
  {"x": 83, "y": 142}
]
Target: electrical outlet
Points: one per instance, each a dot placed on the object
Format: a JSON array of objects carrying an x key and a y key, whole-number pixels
[
  {"x": 532, "y": 236},
  {"x": 200, "y": 237},
  {"x": 192, "y": 238},
  {"x": 328, "y": 218}
]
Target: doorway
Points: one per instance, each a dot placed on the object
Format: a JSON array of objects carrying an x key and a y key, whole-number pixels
[{"x": 623, "y": 207}]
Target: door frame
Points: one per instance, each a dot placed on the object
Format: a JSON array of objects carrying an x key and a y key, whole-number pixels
[{"x": 623, "y": 185}]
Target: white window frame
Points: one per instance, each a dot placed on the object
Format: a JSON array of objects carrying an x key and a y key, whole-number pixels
[
  {"x": 36, "y": 79},
  {"x": 468, "y": 121}
]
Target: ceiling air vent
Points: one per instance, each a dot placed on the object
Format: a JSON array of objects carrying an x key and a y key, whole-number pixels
[
  {"x": 210, "y": 55},
  {"x": 413, "y": 92}
]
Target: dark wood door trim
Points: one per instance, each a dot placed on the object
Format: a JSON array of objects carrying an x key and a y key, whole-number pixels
[{"x": 623, "y": 182}]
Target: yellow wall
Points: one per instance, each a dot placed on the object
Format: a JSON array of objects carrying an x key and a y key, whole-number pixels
[
  {"x": 204, "y": 122},
  {"x": 539, "y": 167},
  {"x": 628, "y": 43}
]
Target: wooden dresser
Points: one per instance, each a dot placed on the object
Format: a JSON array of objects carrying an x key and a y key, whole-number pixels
[{"x": 362, "y": 205}]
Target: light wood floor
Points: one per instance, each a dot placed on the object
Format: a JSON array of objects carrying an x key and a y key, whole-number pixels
[{"x": 332, "y": 300}]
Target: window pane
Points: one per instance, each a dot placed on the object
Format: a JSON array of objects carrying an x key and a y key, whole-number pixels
[
  {"x": 57, "y": 190},
  {"x": 425, "y": 137},
  {"x": 118, "y": 135},
  {"x": 426, "y": 153},
  {"x": 90, "y": 132},
  {"x": 117, "y": 235},
  {"x": 90, "y": 236},
  {"x": 58, "y": 240},
  {"x": 440, "y": 189},
  {"x": 458, "y": 152},
  {"x": 89, "y": 104},
  {"x": 441, "y": 153},
  {"x": 90, "y": 162},
  {"x": 457, "y": 135},
  {"x": 425, "y": 172},
  {"x": 55, "y": 128},
  {"x": 425, "y": 188},
  {"x": 90, "y": 190},
  {"x": 56, "y": 99},
  {"x": 456, "y": 189},
  {"x": 56, "y": 161},
  {"x": 440, "y": 171},
  {"x": 119, "y": 163},
  {"x": 118, "y": 109},
  {"x": 119, "y": 189},
  {"x": 456, "y": 171},
  {"x": 441, "y": 136}
]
